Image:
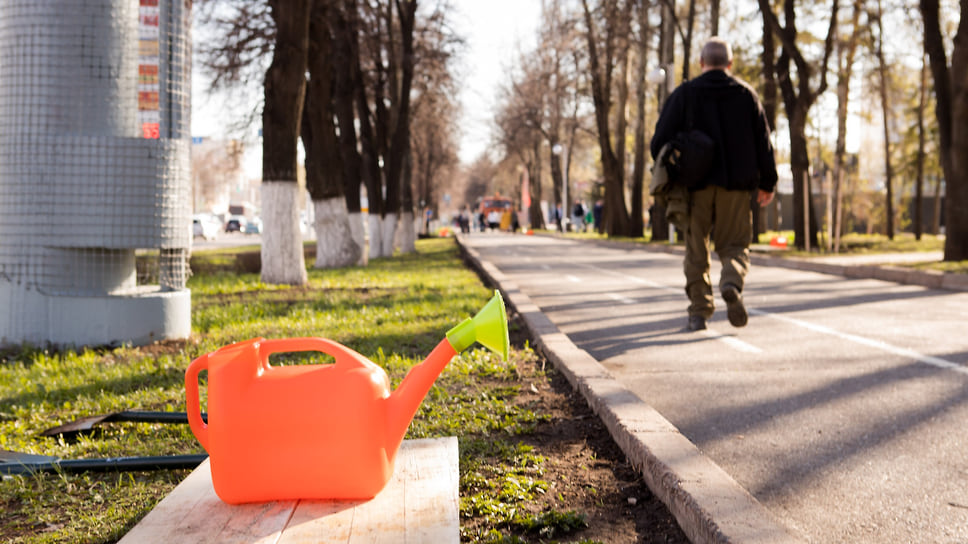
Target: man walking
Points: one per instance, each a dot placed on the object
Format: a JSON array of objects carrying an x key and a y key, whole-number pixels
[{"x": 729, "y": 111}]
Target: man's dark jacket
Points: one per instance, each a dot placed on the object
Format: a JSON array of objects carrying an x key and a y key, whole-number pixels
[{"x": 728, "y": 110}]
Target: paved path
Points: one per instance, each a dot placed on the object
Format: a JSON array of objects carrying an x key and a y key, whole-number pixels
[{"x": 842, "y": 407}]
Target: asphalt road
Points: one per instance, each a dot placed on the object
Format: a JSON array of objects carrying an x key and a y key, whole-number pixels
[{"x": 842, "y": 406}]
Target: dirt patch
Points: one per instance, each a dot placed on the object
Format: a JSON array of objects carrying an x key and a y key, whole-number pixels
[{"x": 586, "y": 470}]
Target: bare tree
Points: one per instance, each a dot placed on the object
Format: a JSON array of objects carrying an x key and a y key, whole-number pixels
[
  {"x": 539, "y": 117},
  {"x": 216, "y": 166},
  {"x": 951, "y": 110},
  {"x": 846, "y": 52},
  {"x": 919, "y": 168},
  {"x": 606, "y": 33},
  {"x": 518, "y": 123},
  {"x": 884, "y": 84},
  {"x": 798, "y": 97}
]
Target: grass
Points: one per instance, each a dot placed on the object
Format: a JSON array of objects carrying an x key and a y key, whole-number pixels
[
  {"x": 865, "y": 244},
  {"x": 393, "y": 311}
]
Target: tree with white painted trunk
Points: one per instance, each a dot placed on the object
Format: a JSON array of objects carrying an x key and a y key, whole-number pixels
[
  {"x": 285, "y": 88},
  {"x": 336, "y": 245}
]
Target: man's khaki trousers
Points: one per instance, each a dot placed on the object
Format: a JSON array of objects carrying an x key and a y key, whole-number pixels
[{"x": 727, "y": 218}]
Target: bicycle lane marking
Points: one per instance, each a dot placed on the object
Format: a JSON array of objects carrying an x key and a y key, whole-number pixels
[
  {"x": 744, "y": 346},
  {"x": 869, "y": 342},
  {"x": 730, "y": 341}
]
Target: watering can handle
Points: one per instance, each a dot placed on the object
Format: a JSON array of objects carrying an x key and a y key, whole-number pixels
[
  {"x": 193, "y": 406},
  {"x": 343, "y": 355}
]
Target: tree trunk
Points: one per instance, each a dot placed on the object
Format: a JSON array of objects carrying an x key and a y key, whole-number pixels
[
  {"x": 919, "y": 164},
  {"x": 797, "y": 100},
  {"x": 769, "y": 98},
  {"x": 714, "y": 18},
  {"x": 956, "y": 183},
  {"x": 803, "y": 209},
  {"x": 406, "y": 238},
  {"x": 345, "y": 64},
  {"x": 533, "y": 171},
  {"x": 845, "y": 69},
  {"x": 335, "y": 245},
  {"x": 636, "y": 222},
  {"x": 657, "y": 218},
  {"x": 399, "y": 137},
  {"x": 953, "y": 137},
  {"x": 886, "y": 117},
  {"x": 616, "y": 215},
  {"x": 687, "y": 41},
  {"x": 285, "y": 87},
  {"x": 557, "y": 182}
]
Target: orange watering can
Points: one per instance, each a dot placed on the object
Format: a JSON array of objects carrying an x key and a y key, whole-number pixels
[{"x": 315, "y": 431}]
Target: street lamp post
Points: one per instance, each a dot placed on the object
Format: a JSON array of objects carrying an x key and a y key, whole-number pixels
[{"x": 561, "y": 150}]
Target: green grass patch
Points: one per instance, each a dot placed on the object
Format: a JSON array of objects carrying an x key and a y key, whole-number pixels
[
  {"x": 393, "y": 311},
  {"x": 861, "y": 244}
]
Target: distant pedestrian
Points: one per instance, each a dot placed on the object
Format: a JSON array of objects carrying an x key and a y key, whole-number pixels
[
  {"x": 557, "y": 217},
  {"x": 464, "y": 219},
  {"x": 728, "y": 110},
  {"x": 578, "y": 216},
  {"x": 494, "y": 219}
]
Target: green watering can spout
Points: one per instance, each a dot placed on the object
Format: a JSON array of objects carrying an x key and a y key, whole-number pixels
[{"x": 489, "y": 328}]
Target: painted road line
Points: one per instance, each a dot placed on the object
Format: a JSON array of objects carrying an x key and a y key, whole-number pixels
[
  {"x": 730, "y": 341},
  {"x": 620, "y": 298},
  {"x": 869, "y": 342}
]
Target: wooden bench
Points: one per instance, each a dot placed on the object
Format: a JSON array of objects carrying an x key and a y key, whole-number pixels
[{"x": 419, "y": 504}]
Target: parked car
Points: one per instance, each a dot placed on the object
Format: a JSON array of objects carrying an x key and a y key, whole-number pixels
[
  {"x": 204, "y": 226},
  {"x": 253, "y": 226},
  {"x": 235, "y": 224}
]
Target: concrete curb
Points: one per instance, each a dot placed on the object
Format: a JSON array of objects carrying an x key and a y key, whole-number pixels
[{"x": 710, "y": 506}]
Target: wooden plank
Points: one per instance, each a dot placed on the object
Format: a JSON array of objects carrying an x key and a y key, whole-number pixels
[
  {"x": 419, "y": 504},
  {"x": 433, "y": 498},
  {"x": 192, "y": 512}
]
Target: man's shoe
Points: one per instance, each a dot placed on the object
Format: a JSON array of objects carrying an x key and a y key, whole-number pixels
[
  {"x": 735, "y": 310},
  {"x": 697, "y": 323}
]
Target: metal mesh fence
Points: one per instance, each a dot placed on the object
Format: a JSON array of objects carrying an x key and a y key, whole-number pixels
[{"x": 94, "y": 146}]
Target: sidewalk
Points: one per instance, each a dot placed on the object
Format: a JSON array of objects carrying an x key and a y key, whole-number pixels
[{"x": 708, "y": 503}]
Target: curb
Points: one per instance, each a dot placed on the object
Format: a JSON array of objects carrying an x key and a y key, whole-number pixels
[{"x": 709, "y": 505}]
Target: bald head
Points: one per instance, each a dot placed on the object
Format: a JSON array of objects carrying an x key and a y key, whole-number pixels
[{"x": 716, "y": 54}]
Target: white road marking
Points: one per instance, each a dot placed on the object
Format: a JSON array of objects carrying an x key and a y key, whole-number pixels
[
  {"x": 730, "y": 341},
  {"x": 621, "y": 298},
  {"x": 869, "y": 342},
  {"x": 740, "y": 345}
]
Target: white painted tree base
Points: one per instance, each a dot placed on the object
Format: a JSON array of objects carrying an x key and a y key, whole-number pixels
[
  {"x": 389, "y": 232},
  {"x": 407, "y": 233},
  {"x": 283, "y": 262},
  {"x": 358, "y": 231},
  {"x": 335, "y": 245}
]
